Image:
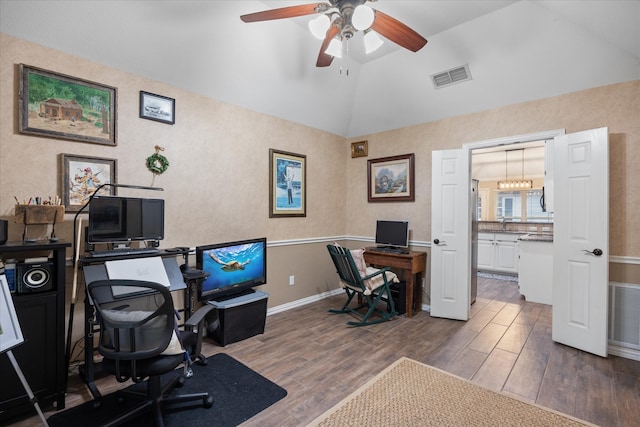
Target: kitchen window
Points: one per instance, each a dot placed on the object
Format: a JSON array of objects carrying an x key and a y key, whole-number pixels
[{"x": 521, "y": 206}]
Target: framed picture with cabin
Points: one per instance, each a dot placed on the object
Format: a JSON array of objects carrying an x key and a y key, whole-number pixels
[{"x": 59, "y": 106}]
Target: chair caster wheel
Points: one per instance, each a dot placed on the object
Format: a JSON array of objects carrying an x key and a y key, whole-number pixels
[
  {"x": 180, "y": 381},
  {"x": 208, "y": 402}
]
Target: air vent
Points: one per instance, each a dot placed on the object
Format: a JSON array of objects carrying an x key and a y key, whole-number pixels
[{"x": 452, "y": 76}]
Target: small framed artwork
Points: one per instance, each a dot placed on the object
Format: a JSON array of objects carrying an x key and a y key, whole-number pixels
[
  {"x": 82, "y": 176},
  {"x": 157, "y": 107},
  {"x": 59, "y": 106},
  {"x": 287, "y": 184},
  {"x": 359, "y": 149},
  {"x": 10, "y": 332},
  {"x": 391, "y": 179}
]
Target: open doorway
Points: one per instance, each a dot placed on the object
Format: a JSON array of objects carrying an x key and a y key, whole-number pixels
[{"x": 511, "y": 183}]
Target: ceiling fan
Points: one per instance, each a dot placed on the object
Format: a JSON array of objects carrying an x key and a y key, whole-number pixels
[{"x": 340, "y": 20}]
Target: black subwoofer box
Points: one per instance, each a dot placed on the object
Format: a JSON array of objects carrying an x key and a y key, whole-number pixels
[{"x": 34, "y": 277}]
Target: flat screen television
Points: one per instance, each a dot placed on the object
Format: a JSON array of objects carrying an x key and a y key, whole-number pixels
[
  {"x": 114, "y": 219},
  {"x": 234, "y": 268},
  {"x": 394, "y": 234}
]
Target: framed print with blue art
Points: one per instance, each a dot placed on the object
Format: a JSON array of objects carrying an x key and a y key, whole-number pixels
[{"x": 287, "y": 184}]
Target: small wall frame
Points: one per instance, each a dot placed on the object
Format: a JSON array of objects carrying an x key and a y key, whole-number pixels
[
  {"x": 157, "y": 107},
  {"x": 359, "y": 149}
]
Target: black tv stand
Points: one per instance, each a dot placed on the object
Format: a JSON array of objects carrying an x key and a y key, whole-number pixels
[{"x": 237, "y": 316}]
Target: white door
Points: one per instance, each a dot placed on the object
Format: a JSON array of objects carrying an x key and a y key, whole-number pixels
[
  {"x": 581, "y": 240},
  {"x": 451, "y": 234}
]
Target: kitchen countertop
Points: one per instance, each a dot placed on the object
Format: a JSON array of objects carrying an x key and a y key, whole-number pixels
[{"x": 536, "y": 237}]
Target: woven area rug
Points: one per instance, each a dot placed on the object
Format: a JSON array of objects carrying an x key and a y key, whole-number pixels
[{"x": 410, "y": 393}]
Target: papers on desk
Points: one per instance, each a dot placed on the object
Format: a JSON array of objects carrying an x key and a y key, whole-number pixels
[{"x": 148, "y": 269}]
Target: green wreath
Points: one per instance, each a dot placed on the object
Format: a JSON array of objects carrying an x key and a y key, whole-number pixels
[{"x": 157, "y": 163}]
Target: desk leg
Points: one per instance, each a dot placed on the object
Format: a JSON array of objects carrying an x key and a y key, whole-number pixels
[
  {"x": 409, "y": 296},
  {"x": 89, "y": 366},
  {"x": 414, "y": 294}
]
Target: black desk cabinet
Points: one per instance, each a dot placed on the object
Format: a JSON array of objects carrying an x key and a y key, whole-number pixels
[{"x": 42, "y": 321}]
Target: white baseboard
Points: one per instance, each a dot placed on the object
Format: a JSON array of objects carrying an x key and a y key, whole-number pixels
[{"x": 303, "y": 301}]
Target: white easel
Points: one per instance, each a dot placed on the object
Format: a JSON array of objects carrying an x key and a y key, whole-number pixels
[{"x": 11, "y": 336}]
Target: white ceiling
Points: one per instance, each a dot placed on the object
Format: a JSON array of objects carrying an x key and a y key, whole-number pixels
[{"x": 516, "y": 51}]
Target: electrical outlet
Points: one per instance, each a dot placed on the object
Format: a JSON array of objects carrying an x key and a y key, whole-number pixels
[{"x": 292, "y": 280}]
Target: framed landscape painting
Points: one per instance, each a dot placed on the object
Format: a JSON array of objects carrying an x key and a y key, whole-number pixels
[
  {"x": 391, "y": 179},
  {"x": 287, "y": 184},
  {"x": 60, "y": 106}
]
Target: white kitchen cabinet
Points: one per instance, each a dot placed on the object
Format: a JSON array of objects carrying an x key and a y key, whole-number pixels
[
  {"x": 498, "y": 252},
  {"x": 486, "y": 251},
  {"x": 535, "y": 276}
]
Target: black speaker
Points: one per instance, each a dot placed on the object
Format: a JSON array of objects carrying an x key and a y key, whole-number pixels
[
  {"x": 4, "y": 231},
  {"x": 34, "y": 277}
]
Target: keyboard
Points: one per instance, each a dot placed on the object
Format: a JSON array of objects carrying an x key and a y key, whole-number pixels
[
  {"x": 388, "y": 250},
  {"x": 123, "y": 251}
]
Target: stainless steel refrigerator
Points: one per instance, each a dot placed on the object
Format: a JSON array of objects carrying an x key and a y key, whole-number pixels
[{"x": 473, "y": 203}]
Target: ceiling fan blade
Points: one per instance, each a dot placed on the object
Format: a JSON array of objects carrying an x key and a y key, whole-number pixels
[
  {"x": 397, "y": 32},
  {"x": 283, "y": 12},
  {"x": 324, "y": 59}
]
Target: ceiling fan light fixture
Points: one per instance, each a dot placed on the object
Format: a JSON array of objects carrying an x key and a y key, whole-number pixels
[
  {"x": 335, "y": 48},
  {"x": 319, "y": 26},
  {"x": 363, "y": 17},
  {"x": 372, "y": 41}
]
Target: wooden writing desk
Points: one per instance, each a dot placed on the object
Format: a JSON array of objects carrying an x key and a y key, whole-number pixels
[{"x": 411, "y": 267}]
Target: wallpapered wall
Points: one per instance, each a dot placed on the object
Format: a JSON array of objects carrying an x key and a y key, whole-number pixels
[
  {"x": 216, "y": 187},
  {"x": 616, "y": 107}
]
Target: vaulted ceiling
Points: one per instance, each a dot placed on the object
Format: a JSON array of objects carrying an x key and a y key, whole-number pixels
[{"x": 516, "y": 51}]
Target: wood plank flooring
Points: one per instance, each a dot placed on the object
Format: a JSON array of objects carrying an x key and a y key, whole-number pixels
[{"x": 505, "y": 346}]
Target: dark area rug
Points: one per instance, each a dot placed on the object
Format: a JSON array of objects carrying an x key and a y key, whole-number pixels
[{"x": 239, "y": 393}]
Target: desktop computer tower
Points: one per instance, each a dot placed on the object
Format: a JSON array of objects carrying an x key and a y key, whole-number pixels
[{"x": 399, "y": 296}]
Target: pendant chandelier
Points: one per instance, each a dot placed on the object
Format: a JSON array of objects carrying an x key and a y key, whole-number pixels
[{"x": 521, "y": 184}]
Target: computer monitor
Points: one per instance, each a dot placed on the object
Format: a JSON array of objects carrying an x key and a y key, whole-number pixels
[
  {"x": 393, "y": 234},
  {"x": 116, "y": 219}
]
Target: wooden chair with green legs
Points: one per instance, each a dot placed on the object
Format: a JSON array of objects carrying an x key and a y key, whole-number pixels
[{"x": 372, "y": 286}]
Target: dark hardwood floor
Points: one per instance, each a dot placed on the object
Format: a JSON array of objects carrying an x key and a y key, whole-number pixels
[{"x": 505, "y": 346}]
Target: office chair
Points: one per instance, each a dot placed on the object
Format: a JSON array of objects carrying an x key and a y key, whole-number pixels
[
  {"x": 139, "y": 340},
  {"x": 370, "y": 284}
]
